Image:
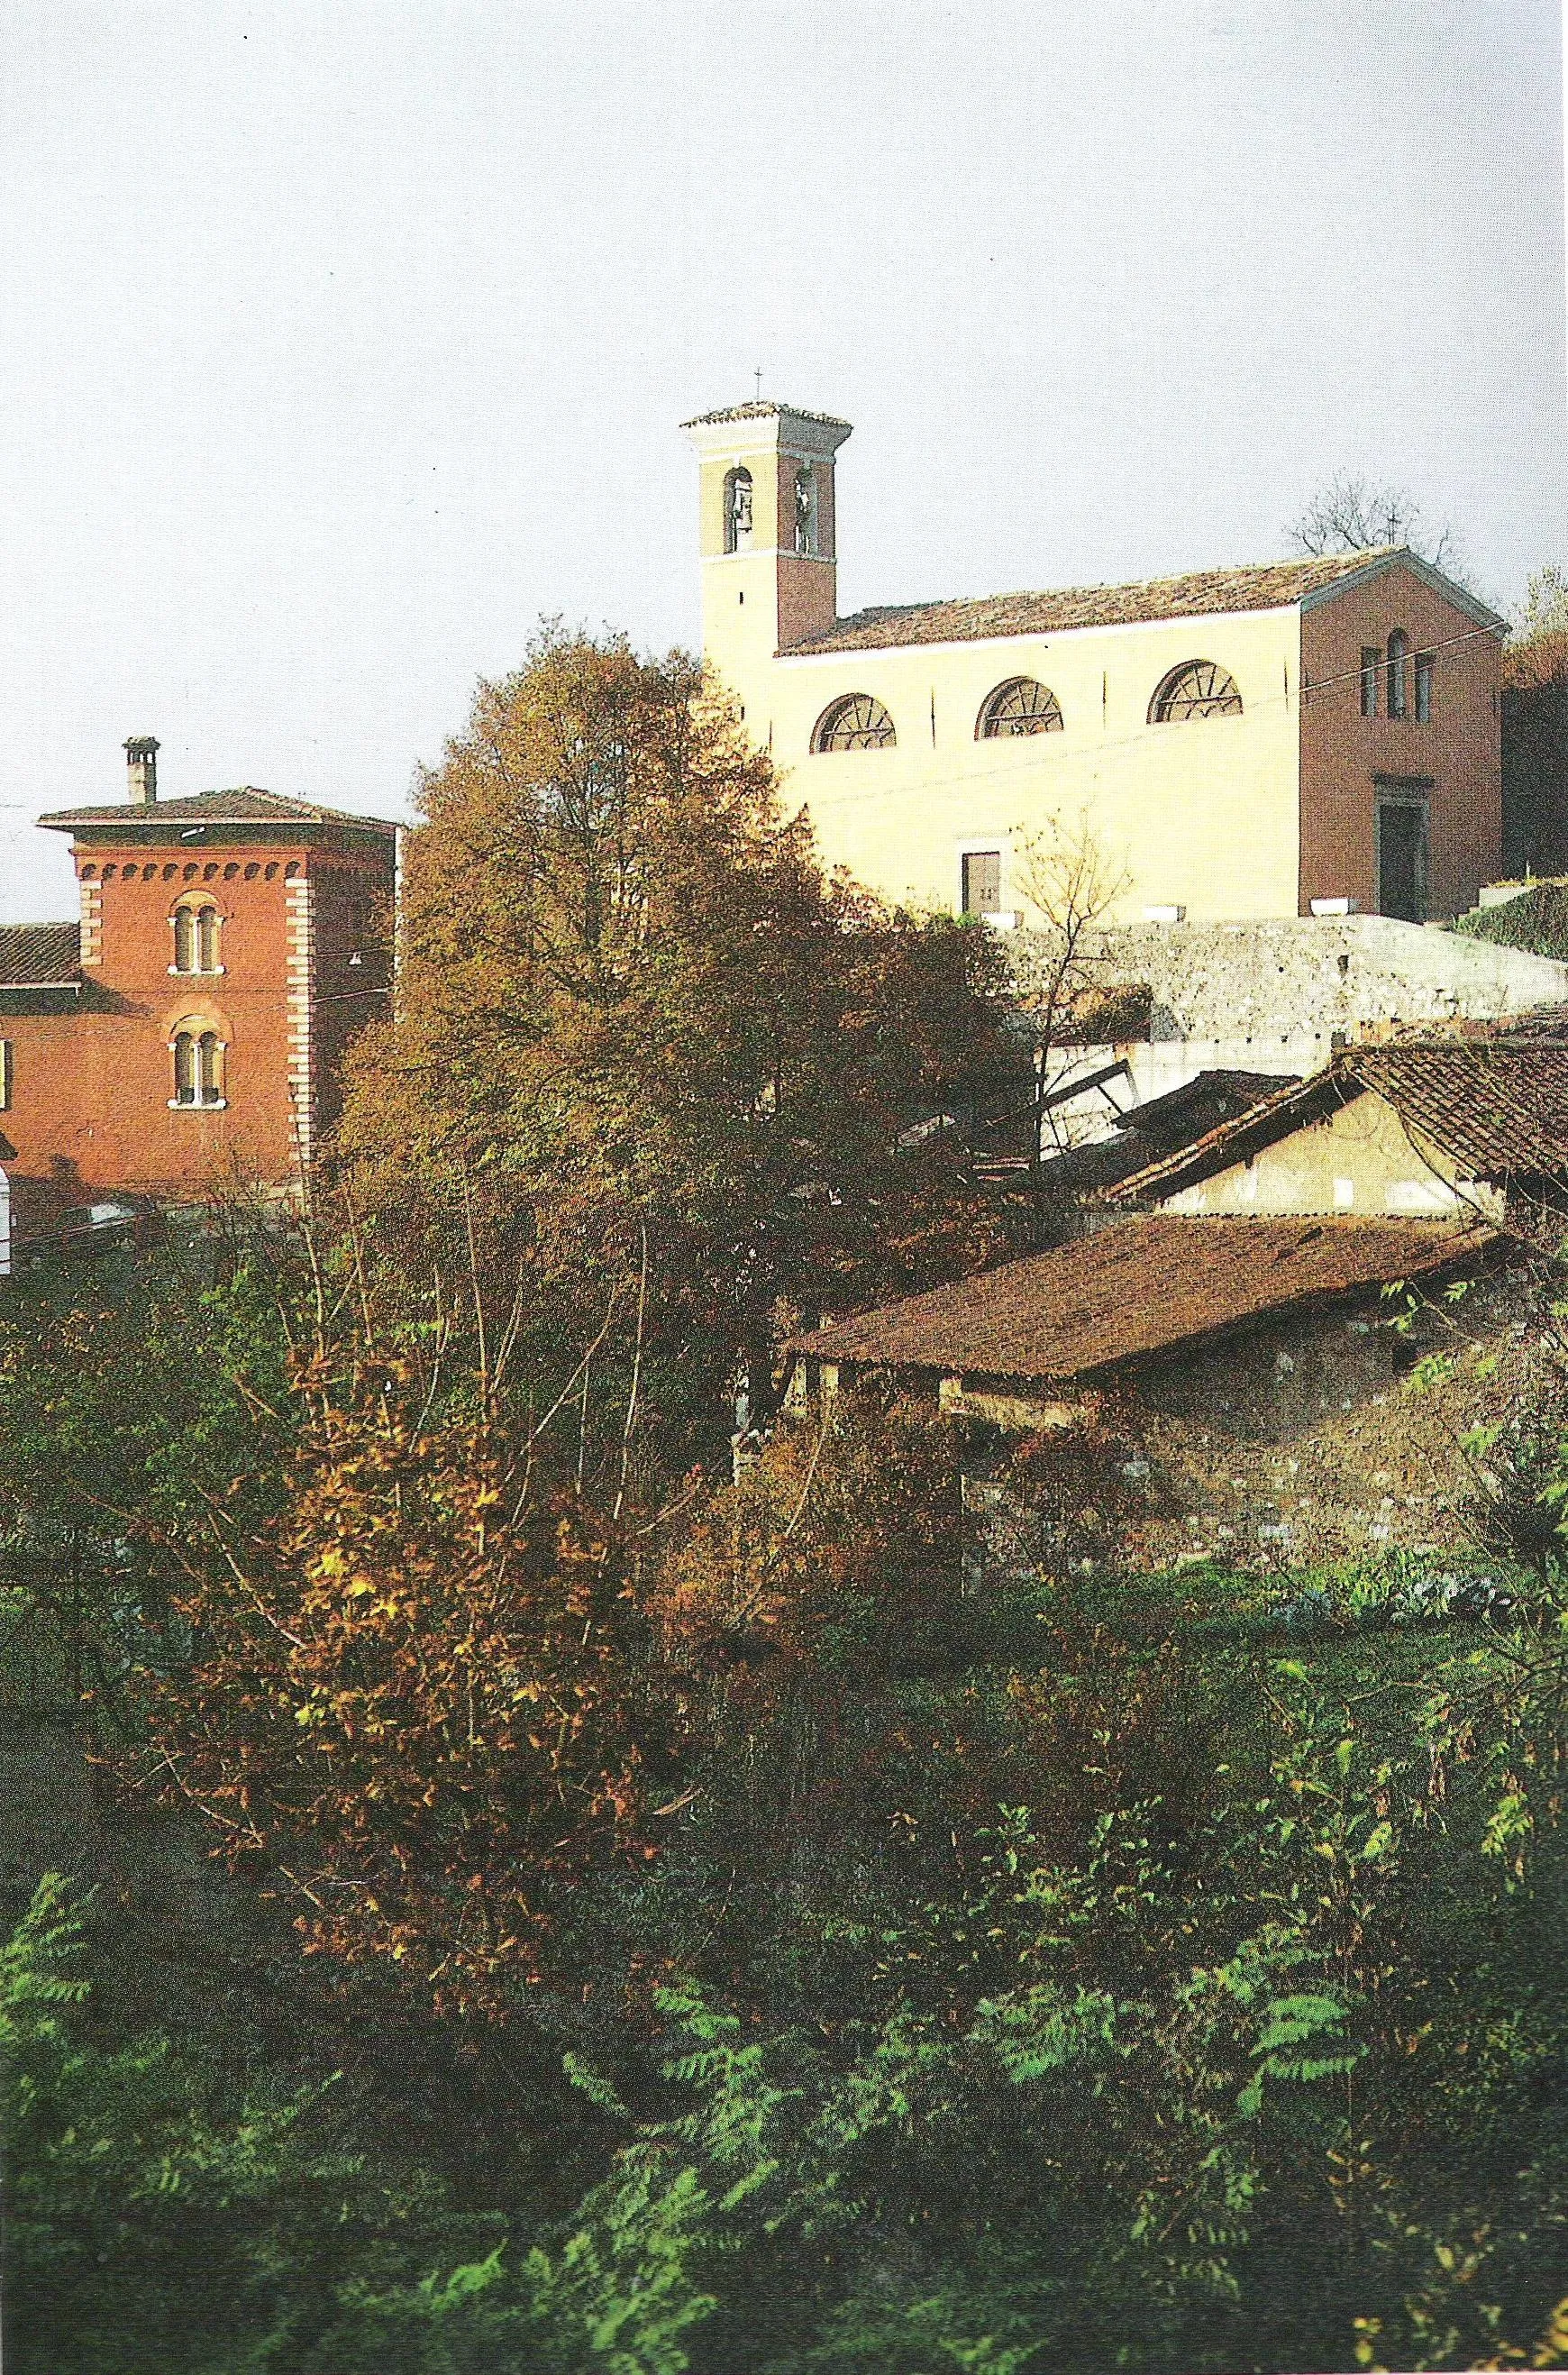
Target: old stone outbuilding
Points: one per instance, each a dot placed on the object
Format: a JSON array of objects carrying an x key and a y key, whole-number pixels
[{"x": 1458, "y": 1128}]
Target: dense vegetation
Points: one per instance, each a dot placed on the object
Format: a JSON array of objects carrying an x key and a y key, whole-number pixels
[
  {"x": 666, "y": 1919},
  {"x": 1536, "y": 920}
]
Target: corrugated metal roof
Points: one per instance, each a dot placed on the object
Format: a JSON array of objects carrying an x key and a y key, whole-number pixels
[
  {"x": 39, "y": 956},
  {"x": 1138, "y": 1288}
]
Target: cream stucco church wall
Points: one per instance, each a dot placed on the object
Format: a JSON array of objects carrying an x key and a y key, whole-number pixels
[{"x": 1203, "y": 814}]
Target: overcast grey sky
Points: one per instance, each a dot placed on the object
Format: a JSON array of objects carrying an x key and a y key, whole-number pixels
[{"x": 337, "y": 342}]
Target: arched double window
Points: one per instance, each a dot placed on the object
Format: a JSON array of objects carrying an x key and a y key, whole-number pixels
[
  {"x": 1019, "y": 706},
  {"x": 197, "y": 926},
  {"x": 737, "y": 509},
  {"x": 1398, "y": 674},
  {"x": 199, "y": 1054},
  {"x": 858, "y": 722},
  {"x": 1196, "y": 689}
]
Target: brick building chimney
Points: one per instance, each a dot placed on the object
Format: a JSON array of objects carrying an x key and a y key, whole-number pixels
[{"x": 141, "y": 767}]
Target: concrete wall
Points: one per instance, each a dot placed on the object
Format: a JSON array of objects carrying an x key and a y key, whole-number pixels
[{"x": 1279, "y": 995}]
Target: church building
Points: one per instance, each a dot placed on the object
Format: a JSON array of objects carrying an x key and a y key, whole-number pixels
[
  {"x": 1308, "y": 735},
  {"x": 189, "y": 1027}
]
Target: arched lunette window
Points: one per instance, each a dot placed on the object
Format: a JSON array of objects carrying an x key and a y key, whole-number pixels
[
  {"x": 1196, "y": 689},
  {"x": 737, "y": 509},
  {"x": 858, "y": 722},
  {"x": 1019, "y": 706},
  {"x": 197, "y": 926},
  {"x": 199, "y": 1066},
  {"x": 1398, "y": 674}
]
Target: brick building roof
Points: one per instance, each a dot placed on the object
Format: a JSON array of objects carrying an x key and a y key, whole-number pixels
[
  {"x": 1138, "y": 1288},
  {"x": 246, "y": 805},
  {"x": 1270, "y": 585},
  {"x": 1497, "y": 1106},
  {"x": 39, "y": 956}
]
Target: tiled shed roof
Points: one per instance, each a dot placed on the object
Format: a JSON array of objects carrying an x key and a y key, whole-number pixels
[
  {"x": 246, "y": 805},
  {"x": 1269, "y": 586},
  {"x": 1138, "y": 1288},
  {"x": 1497, "y": 1106},
  {"x": 39, "y": 956}
]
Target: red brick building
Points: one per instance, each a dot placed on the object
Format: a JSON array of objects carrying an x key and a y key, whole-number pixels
[{"x": 191, "y": 1025}]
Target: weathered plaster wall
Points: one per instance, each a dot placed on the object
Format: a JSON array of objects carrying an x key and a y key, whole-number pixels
[{"x": 1358, "y": 1159}]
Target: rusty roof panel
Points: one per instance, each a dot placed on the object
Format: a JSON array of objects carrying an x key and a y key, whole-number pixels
[{"x": 1138, "y": 1288}]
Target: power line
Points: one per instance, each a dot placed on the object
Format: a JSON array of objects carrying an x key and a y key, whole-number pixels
[{"x": 1076, "y": 752}]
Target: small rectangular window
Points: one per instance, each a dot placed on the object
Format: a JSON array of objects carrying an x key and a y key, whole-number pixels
[
  {"x": 4, "y": 1075},
  {"x": 1371, "y": 659},
  {"x": 982, "y": 881},
  {"x": 1424, "y": 687}
]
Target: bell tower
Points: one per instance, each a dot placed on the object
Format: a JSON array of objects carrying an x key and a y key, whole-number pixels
[{"x": 767, "y": 532}]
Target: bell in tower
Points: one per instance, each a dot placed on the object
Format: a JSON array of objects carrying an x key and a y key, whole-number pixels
[{"x": 769, "y": 570}]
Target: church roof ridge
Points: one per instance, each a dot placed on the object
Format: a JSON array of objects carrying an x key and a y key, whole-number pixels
[{"x": 1261, "y": 585}]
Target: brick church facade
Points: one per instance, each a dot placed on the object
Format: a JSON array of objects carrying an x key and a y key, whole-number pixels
[{"x": 191, "y": 1027}]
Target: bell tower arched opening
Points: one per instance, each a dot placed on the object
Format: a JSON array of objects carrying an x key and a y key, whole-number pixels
[{"x": 768, "y": 521}]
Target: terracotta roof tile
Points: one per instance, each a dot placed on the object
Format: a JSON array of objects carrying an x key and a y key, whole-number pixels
[
  {"x": 1498, "y": 1107},
  {"x": 245, "y": 805},
  {"x": 1269, "y": 586},
  {"x": 39, "y": 956},
  {"x": 1139, "y": 1287},
  {"x": 761, "y": 408}
]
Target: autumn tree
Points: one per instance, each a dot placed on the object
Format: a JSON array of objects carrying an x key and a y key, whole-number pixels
[
  {"x": 647, "y": 1054},
  {"x": 413, "y": 1696}
]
